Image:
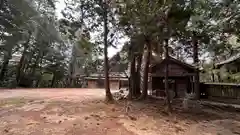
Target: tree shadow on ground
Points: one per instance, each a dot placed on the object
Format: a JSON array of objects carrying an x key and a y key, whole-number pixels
[{"x": 157, "y": 109}]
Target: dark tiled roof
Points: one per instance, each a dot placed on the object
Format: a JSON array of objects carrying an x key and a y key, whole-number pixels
[{"x": 175, "y": 61}]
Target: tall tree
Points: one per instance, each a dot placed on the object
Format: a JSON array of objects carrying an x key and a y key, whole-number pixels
[
  {"x": 29, "y": 29},
  {"x": 196, "y": 62},
  {"x": 166, "y": 84},
  {"x": 148, "y": 18},
  {"x": 104, "y": 7}
]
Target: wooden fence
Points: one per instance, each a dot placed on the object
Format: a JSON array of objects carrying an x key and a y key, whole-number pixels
[{"x": 221, "y": 91}]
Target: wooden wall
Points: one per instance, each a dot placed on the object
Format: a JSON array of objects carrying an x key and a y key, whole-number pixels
[
  {"x": 180, "y": 83},
  {"x": 221, "y": 91},
  {"x": 114, "y": 84},
  {"x": 182, "y": 86},
  {"x": 124, "y": 84},
  {"x": 174, "y": 70},
  {"x": 92, "y": 84}
]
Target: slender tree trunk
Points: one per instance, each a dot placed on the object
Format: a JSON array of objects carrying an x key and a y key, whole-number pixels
[
  {"x": 144, "y": 84},
  {"x": 22, "y": 62},
  {"x": 38, "y": 82},
  {"x": 166, "y": 77},
  {"x": 53, "y": 80},
  {"x": 219, "y": 77},
  {"x": 132, "y": 78},
  {"x": 27, "y": 64},
  {"x": 39, "y": 78},
  {"x": 213, "y": 78},
  {"x": 109, "y": 97},
  {"x": 72, "y": 67},
  {"x": 213, "y": 67},
  {"x": 196, "y": 62},
  {"x": 1, "y": 4},
  {"x": 20, "y": 66},
  {"x": 5, "y": 65},
  {"x": 139, "y": 63},
  {"x": 36, "y": 64},
  {"x": 33, "y": 73}
]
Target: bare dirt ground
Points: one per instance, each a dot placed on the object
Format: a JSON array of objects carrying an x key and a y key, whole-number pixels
[{"x": 83, "y": 112}]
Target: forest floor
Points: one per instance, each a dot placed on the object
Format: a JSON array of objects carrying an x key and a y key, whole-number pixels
[{"x": 83, "y": 112}]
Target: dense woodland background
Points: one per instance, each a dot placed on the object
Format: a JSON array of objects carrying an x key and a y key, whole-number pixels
[{"x": 39, "y": 49}]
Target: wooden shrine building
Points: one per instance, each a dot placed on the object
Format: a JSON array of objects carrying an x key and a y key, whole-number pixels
[
  {"x": 117, "y": 80},
  {"x": 180, "y": 78}
]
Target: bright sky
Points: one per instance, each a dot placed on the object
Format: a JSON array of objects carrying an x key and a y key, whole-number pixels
[{"x": 111, "y": 51}]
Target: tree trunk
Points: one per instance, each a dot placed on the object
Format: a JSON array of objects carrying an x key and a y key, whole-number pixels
[
  {"x": 213, "y": 67},
  {"x": 20, "y": 66},
  {"x": 35, "y": 64},
  {"x": 109, "y": 97},
  {"x": 196, "y": 63},
  {"x": 4, "y": 65},
  {"x": 71, "y": 67},
  {"x": 219, "y": 77},
  {"x": 1, "y": 4},
  {"x": 166, "y": 76},
  {"x": 144, "y": 80},
  {"x": 132, "y": 78},
  {"x": 21, "y": 63},
  {"x": 213, "y": 78},
  {"x": 137, "y": 76},
  {"x": 27, "y": 68},
  {"x": 53, "y": 80}
]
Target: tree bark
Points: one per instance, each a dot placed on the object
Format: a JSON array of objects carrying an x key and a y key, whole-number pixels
[
  {"x": 196, "y": 63},
  {"x": 166, "y": 76},
  {"x": 35, "y": 64},
  {"x": 20, "y": 65},
  {"x": 22, "y": 62},
  {"x": 213, "y": 67},
  {"x": 72, "y": 68},
  {"x": 1, "y": 4},
  {"x": 132, "y": 78},
  {"x": 38, "y": 82},
  {"x": 5, "y": 65},
  {"x": 137, "y": 76},
  {"x": 53, "y": 80},
  {"x": 144, "y": 83},
  {"x": 109, "y": 97},
  {"x": 219, "y": 77},
  {"x": 27, "y": 67},
  {"x": 213, "y": 78}
]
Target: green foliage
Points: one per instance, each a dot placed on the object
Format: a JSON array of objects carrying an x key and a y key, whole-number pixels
[{"x": 29, "y": 32}]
